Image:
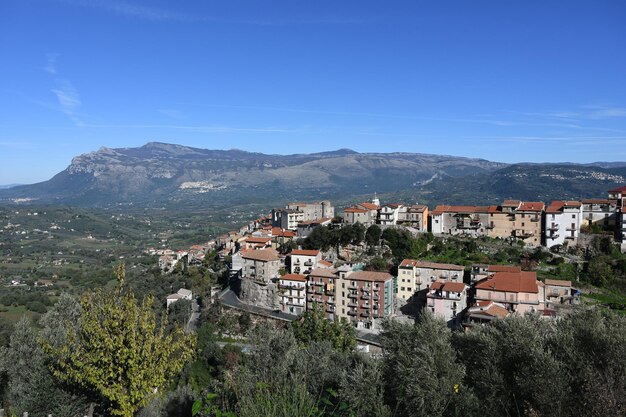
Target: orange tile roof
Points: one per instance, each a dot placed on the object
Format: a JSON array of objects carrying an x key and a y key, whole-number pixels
[
  {"x": 323, "y": 273},
  {"x": 254, "y": 239},
  {"x": 449, "y": 286},
  {"x": 511, "y": 203},
  {"x": 460, "y": 209},
  {"x": 304, "y": 252},
  {"x": 369, "y": 206},
  {"x": 264, "y": 255},
  {"x": 325, "y": 263},
  {"x": 369, "y": 276},
  {"x": 294, "y": 277},
  {"x": 408, "y": 263},
  {"x": 355, "y": 210},
  {"x": 489, "y": 308},
  {"x": 618, "y": 190},
  {"x": 532, "y": 206},
  {"x": 510, "y": 282}
]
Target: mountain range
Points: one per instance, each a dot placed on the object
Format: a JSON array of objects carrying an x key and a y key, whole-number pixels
[{"x": 167, "y": 174}]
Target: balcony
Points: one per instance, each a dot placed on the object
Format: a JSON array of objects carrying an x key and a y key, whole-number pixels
[
  {"x": 375, "y": 297},
  {"x": 353, "y": 295},
  {"x": 376, "y": 314},
  {"x": 308, "y": 263},
  {"x": 319, "y": 292},
  {"x": 353, "y": 287},
  {"x": 365, "y": 306},
  {"x": 330, "y": 309},
  {"x": 330, "y": 301},
  {"x": 352, "y": 304},
  {"x": 571, "y": 229},
  {"x": 535, "y": 219},
  {"x": 489, "y": 226},
  {"x": 554, "y": 236},
  {"x": 554, "y": 227},
  {"x": 310, "y": 290},
  {"x": 376, "y": 306},
  {"x": 352, "y": 313},
  {"x": 365, "y": 297},
  {"x": 365, "y": 314}
]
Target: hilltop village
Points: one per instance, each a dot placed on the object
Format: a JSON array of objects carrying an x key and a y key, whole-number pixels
[{"x": 270, "y": 270}]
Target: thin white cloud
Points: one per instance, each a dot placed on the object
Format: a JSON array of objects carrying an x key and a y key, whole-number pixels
[
  {"x": 68, "y": 99},
  {"x": 51, "y": 62},
  {"x": 172, "y": 113}
]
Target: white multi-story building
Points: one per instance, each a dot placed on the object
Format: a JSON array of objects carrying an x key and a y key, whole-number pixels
[
  {"x": 618, "y": 195},
  {"x": 287, "y": 218},
  {"x": 292, "y": 289},
  {"x": 314, "y": 211},
  {"x": 389, "y": 214},
  {"x": 562, "y": 223},
  {"x": 304, "y": 261}
]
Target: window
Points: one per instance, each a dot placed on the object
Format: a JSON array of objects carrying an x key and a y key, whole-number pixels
[
  {"x": 409, "y": 289},
  {"x": 523, "y": 224},
  {"x": 401, "y": 288},
  {"x": 573, "y": 216},
  {"x": 343, "y": 285}
]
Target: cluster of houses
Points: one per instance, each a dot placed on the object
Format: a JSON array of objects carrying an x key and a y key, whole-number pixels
[
  {"x": 533, "y": 223},
  {"x": 272, "y": 274}
]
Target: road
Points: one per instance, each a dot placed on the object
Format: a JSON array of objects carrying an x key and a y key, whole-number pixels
[
  {"x": 194, "y": 319},
  {"x": 230, "y": 299}
]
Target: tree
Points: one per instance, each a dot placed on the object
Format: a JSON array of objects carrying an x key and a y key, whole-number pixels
[
  {"x": 312, "y": 326},
  {"x": 118, "y": 350},
  {"x": 599, "y": 271},
  {"x": 422, "y": 376},
  {"x": 372, "y": 235},
  {"x": 31, "y": 386}
]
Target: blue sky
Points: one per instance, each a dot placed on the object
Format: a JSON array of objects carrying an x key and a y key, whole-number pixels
[{"x": 503, "y": 80}]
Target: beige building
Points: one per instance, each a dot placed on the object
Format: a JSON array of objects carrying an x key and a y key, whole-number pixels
[
  {"x": 460, "y": 220},
  {"x": 429, "y": 272},
  {"x": 260, "y": 266},
  {"x": 353, "y": 215},
  {"x": 321, "y": 284},
  {"x": 415, "y": 216},
  {"x": 602, "y": 212},
  {"x": 408, "y": 281},
  {"x": 519, "y": 220},
  {"x": 558, "y": 291}
]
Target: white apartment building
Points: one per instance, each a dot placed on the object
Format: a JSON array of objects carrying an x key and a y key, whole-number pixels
[
  {"x": 304, "y": 261},
  {"x": 389, "y": 214},
  {"x": 562, "y": 223},
  {"x": 430, "y": 272},
  {"x": 292, "y": 288}
]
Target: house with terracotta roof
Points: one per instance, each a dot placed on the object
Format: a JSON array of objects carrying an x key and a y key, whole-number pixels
[
  {"x": 304, "y": 261},
  {"x": 408, "y": 282},
  {"x": 292, "y": 288},
  {"x": 415, "y": 216},
  {"x": 562, "y": 223},
  {"x": 518, "y": 291},
  {"x": 515, "y": 219},
  {"x": 354, "y": 214},
  {"x": 484, "y": 312},
  {"x": 254, "y": 242},
  {"x": 447, "y": 299},
  {"x": 182, "y": 294}
]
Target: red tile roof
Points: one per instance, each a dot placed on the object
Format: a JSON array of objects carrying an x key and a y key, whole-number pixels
[
  {"x": 489, "y": 308},
  {"x": 532, "y": 206},
  {"x": 323, "y": 273},
  {"x": 325, "y": 263},
  {"x": 511, "y": 203},
  {"x": 355, "y": 210},
  {"x": 460, "y": 209},
  {"x": 510, "y": 282},
  {"x": 449, "y": 286},
  {"x": 254, "y": 239},
  {"x": 407, "y": 263},
  {"x": 369, "y": 206},
  {"x": 369, "y": 276},
  {"x": 596, "y": 201},
  {"x": 294, "y": 277},
  {"x": 305, "y": 252},
  {"x": 264, "y": 255},
  {"x": 619, "y": 190}
]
